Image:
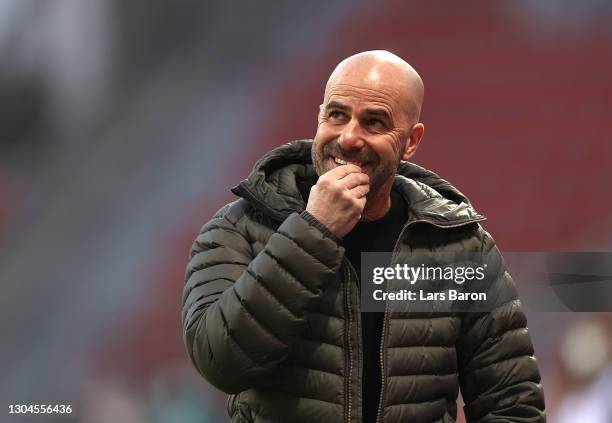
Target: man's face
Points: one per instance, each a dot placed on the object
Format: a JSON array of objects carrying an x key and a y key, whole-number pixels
[{"x": 362, "y": 122}]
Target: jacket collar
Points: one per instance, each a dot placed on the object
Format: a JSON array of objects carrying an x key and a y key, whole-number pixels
[{"x": 273, "y": 186}]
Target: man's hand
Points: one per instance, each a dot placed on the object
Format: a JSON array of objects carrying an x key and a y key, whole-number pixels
[{"x": 338, "y": 198}]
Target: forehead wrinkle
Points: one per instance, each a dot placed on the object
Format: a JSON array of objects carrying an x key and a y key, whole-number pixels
[
  {"x": 375, "y": 97},
  {"x": 375, "y": 92},
  {"x": 369, "y": 106}
]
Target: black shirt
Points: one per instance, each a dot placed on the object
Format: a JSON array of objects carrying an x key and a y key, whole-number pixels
[{"x": 380, "y": 235}]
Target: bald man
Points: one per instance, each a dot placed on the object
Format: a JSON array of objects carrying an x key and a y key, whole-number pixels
[
  {"x": 368, "y": 123},
  {"x": 271, "y": 305}
]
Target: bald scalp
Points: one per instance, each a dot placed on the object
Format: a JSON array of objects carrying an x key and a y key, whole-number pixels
[{"x": 379, "y": 69}]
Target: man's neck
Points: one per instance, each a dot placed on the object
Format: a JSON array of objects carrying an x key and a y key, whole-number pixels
[{"x": 377, "y": 205}]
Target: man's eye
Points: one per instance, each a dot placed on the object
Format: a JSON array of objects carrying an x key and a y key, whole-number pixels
[
  {"x": 335, "y": 114},
  {"x": 376, "y": 123}
]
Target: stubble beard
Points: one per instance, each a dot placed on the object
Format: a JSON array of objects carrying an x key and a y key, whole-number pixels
[
  {"x": 378, "y": 178},
  {"x": 317, "y": 160}
]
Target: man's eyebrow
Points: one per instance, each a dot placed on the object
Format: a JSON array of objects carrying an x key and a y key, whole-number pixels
[
  {"x": 336, "y": 105},
  {"x": 378, "y": 112}
]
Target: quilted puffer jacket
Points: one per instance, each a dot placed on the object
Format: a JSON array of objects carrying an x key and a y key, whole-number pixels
[{"x": 271, "y": 312}]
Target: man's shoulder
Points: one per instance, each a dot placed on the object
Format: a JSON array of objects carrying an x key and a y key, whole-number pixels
[
  {"x": 232, "y": 212},
  {"x": 239, "y": 215}
]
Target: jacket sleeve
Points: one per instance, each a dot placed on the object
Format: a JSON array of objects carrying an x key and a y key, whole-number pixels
[
  {"x": 242, "y": 313},
  {"x": 499, "y": 376}
]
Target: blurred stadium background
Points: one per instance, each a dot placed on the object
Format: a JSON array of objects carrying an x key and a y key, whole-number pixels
[{"x": 123, "y": 124}]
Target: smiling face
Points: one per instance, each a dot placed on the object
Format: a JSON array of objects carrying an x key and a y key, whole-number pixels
[{"x": 369, "y": 117}]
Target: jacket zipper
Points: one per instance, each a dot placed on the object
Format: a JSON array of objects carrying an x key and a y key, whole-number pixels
[
  {"x": 382, "y": 366},
  {"x": 385, "y": 316},
  {"x": 347, "y": 382}
]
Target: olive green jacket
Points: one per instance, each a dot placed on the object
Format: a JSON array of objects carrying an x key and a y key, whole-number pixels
[{"x": 271, "y": 312}]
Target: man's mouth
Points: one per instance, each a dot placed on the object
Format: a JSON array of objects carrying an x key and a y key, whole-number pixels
[{"x": 345, "y": 162}]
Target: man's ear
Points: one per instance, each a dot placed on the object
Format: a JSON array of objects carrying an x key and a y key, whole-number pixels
[{"x": 413, "y": 141}]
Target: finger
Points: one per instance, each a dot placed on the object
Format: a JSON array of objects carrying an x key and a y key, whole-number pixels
[
  {"x": 360, "y": 191},
  {"x": 350, "y": 181},
  {"x": 341, "y": 171},
  {"x": 361, "y": 203}
]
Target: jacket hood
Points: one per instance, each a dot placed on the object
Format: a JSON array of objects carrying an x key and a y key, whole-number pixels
[{"x": 274, "y": 186}]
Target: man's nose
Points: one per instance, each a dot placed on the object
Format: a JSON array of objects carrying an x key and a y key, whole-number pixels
[{"x": 351, "y": 137}]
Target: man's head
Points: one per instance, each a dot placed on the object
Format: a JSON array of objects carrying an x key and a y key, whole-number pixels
[{"x": 370, "y": 117}]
